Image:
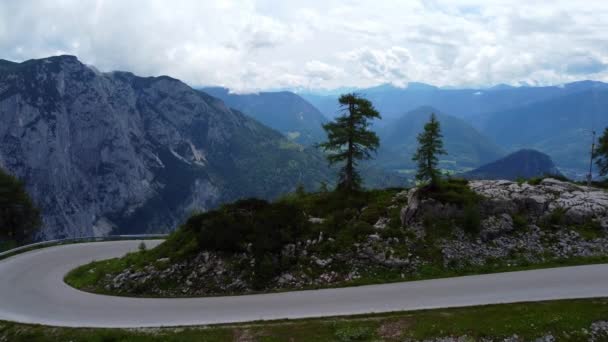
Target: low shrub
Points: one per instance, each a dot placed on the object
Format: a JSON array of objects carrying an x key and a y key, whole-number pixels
[
  {"x": 519, "y": 221},
  {"x": 471, "y": 221},
  {"x": 556, "y": 217},
  {"x": 353, "y": 333},
  {"x": 538, "y": 180},
  {"x": 452, "y": 191}
]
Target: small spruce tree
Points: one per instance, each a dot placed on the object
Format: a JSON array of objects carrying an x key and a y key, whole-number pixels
[
  {"x": 430, "y": 146},
  {"x": 349, "y": 139},
  {"x": 601, "y": 153}
]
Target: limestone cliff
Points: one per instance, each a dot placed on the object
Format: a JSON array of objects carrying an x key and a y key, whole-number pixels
[{"x": 113, "y": 151}]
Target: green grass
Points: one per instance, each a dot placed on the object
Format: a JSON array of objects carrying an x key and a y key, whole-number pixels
[{"x": 567, "y": 320}]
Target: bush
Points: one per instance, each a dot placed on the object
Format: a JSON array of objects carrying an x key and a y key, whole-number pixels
[
  {"x": 519, "y": 221},
  {"x": 352, "y": 232},
  {"x": 556, "y": 217},
  {"x": 264, "y": 226},
  {"x": 19, "y": 218},
  {"x": 265, "y": 269},
  {"x": 538, "y": 180},
  {"x": 452, "y": 191},
  {"x": 471, "y": 219}
]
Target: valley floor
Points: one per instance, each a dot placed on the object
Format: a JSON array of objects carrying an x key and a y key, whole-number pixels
[{"x": 566, "y": 320}]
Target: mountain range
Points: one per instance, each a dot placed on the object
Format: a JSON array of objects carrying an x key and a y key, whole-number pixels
[
  {"x": 393, "y": 101},
  {"x": 466, "y": 147},
  {"x": 556, "y": 120},
  {"x": 560, "y": 127},
  {"x": 284, "y": 111},
  {"x": 114, "y": 152}
]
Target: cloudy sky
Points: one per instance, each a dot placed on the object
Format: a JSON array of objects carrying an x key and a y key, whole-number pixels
[{"x": 250, "y": 45}]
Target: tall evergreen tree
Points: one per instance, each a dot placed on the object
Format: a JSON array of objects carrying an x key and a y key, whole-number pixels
[
  {"x": 19, "y": 218},
  {"x": 601, "y": 153},
  {"x": 349, "y": 138},
  {"x": 430, "y": 146}
]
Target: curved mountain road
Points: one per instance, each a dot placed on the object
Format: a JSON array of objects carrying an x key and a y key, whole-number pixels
[{"x": 32, "y": 291}]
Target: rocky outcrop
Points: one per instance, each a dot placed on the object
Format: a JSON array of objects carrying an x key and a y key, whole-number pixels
[
  {"x": 517, "y": 226},
  {"x": 511, "y": 214},
  {"x": 579, "y": 203},
  {"x": 502, "y": 198},
  {"x": 112, "y": 151}
]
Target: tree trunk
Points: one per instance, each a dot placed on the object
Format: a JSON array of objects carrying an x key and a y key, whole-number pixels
[{"x": 348, "y": 181}]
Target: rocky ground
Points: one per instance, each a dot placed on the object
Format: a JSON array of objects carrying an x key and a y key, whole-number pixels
[{"x": 518, "y": 225}]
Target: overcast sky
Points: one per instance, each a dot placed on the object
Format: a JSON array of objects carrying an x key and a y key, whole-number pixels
[{"x": 253, "y": 45}]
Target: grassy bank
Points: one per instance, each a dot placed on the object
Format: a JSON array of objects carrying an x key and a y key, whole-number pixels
[
  {"x": 334, "y": 239},
  {"x": 567, "y": 320},
  {"x": 87, "y": 277}
]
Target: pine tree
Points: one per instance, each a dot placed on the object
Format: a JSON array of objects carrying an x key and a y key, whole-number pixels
[
  {"x": 601, "y": 153},
  {"x": 430, "y": 146},
  {"x": 19, "y": 218},
  {"x": 350, "y": 140}
]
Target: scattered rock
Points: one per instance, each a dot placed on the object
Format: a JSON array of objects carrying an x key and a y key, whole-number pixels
[
  {"x": 495, "y": 226},
  {"x": 316, "y": 220},
  {"x": 382, "y": 223}
]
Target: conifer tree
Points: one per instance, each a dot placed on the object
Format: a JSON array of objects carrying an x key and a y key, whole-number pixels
[
  {"x": 350, "y": 140},
  {"x": 430, "y": 146},
  {"x": 19, "y": 218},
  {"x": 601, "y": 153}
]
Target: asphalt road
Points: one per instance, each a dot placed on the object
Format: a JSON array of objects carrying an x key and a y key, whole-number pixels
[{"x": 32, "y": 291}]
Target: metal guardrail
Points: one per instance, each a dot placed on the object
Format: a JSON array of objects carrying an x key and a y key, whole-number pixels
[{"x": 81, "y": 239}]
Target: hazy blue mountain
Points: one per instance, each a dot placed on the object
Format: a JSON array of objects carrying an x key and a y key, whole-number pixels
[
  {"x": 392, "y": 101},
  {"x": 284, "y": 111},
  {"x": 520, "y": 164},
  {"x": 559, "y": 127},
  {"x": 466, "y": 147}
]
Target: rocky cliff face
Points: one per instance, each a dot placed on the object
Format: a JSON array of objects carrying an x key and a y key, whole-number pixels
[{"x": 113, "y": 151}]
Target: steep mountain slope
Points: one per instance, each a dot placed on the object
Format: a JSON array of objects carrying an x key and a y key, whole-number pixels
[
  {"x": 466, "y": 147},
  {"x": 284, "y": 111},
  {"x": 559, "y": 127},
  {"x": 520, "y": 164},
  {"x": 114, "y": 151},
  {"x": 463, "y": 103}
]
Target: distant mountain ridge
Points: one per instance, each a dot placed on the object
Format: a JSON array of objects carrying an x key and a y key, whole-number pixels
[
  {"x": 560, "y": 127},
  {"x": 284, "y": 111},
  {"x": 392, "y": 101},
  {"x": 556, "y": 120},
  {"x": 521, "y": 164},
  {"x": 466, "y": 147}
]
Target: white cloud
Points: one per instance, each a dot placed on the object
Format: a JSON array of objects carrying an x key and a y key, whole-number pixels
[{"x": 263, "y": 44}]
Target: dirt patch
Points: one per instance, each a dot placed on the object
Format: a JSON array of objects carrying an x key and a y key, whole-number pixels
[
  {"x": 393, "y": 329},
  {"x": 243, "y": 335}
]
